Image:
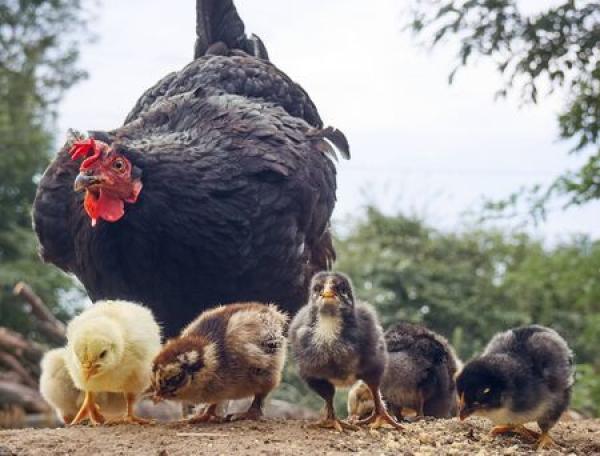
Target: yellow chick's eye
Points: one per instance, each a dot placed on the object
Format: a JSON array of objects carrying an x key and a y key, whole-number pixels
[{"x": 103, "y": 354}]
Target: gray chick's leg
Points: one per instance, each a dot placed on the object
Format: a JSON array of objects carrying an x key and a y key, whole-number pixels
[
  {"x": 327, "y": 391},
  {"x": 380, "y": 415}
]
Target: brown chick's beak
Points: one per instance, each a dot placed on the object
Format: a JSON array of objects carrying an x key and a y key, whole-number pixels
[
  {"x": 83, "y": 181},
  {"x": 156, "y": 399}
]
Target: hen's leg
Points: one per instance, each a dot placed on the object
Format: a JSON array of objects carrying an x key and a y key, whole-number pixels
[
  {"x": 380, "y": 415},
  {"x": 89, "y": 410},
  {"x": 327, "y": 391}
]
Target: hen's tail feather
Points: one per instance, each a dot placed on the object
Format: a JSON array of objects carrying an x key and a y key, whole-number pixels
[
  {"x": 337, "y": 139},
  {"x": 218, "y": 21}
]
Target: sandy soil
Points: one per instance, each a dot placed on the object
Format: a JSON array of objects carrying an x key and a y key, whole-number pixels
[{"x": 278, "y": 437}]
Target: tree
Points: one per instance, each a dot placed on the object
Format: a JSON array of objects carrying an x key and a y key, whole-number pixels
[
  {"x": 39, "y": 42},
  {"x": 555, "y": 49}
]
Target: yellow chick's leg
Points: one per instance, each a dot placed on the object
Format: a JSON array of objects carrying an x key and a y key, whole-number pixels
[
  {"x": 89, "y": 410},
  {"x": 130, "y": 415},
  {"x": 331, "y": 422},
  {"x": 380, "y": 415}
]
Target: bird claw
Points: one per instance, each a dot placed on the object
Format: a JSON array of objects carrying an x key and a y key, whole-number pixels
[
  {"x": 377, "y": 420},
  {"x": 334, "y": 423},
  {"x": 520, "y": 429},
  {"x": 91, "y": 412},
  {"x": 251, "y": 414},
  {"x": 545, "y": 441},
  {"x": 132, "y": 419}
]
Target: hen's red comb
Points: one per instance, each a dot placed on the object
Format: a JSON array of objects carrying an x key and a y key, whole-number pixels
[{"x": 83, "y": 149}]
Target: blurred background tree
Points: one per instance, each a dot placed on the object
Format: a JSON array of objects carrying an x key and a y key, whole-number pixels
[
  {"x": 39, "y": 43},
  {"x": 553, "y": 49}
]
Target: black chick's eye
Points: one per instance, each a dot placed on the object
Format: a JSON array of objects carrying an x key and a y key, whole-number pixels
[
  {"x": 119, "y": 165},
  {"x": 317, "y": 288},
  {"x": 103, "y": 354}
]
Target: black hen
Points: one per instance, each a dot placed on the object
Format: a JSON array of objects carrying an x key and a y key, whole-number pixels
[{"x": 218, "y": 188}]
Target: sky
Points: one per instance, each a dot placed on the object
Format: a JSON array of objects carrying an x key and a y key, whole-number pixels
[{"x": 418, "y": 145}]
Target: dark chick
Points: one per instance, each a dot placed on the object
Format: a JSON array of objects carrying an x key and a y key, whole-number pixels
[
  {"x": 231, "y": 352},
  {"x": 420, "y": 372},
  {"x": 524, "y": 375},
  {"x": 336, "y": 341}
]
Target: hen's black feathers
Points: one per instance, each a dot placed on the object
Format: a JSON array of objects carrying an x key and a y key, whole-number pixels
[{"x": 236, "y": 200}]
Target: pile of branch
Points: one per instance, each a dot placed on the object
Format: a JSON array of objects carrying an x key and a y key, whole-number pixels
[{"x": 20, "y": 358}]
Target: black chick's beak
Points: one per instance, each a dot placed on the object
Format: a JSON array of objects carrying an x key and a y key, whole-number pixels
[
  {"x": 329, "y": 299},
  {"x": 463, "y": 410},
  {"x": 83, "y": 181}
]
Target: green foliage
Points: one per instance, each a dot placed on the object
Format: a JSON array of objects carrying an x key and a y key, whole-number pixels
[
  {"x": 38, "y": 53},
  {"x": 555, "y": 48},
  {"x": 472, "y": 284}
]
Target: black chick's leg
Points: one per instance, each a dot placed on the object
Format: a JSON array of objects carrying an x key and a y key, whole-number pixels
[
  {"x": 327, "y": 391},
  {"x": 254, "y": 412},
  {"x": 380, "y": 415}
]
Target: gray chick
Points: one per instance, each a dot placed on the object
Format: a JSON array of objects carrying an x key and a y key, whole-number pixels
[
  {"x": 420, "y": 373},
  {"x": 337, "y": 341},
  {"x": 524, "y": 375}
]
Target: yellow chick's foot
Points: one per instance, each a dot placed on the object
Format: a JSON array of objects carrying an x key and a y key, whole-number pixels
[
  {"x": 130, "y": 417},
  {"x": 89, "y": 410},
  {"x": 334, "y": 423},
  {"x": 545, "y": 441},
  {"x": 377, "y": 420}
]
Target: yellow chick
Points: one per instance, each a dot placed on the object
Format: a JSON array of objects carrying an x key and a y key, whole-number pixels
[
  {"x": 58, "y": 389},
  {"x": 110, "y": 348}
]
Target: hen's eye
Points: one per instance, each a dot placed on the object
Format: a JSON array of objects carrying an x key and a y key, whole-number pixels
[
  {"x": 119, "y": 165},
  {"x": 103, "y": 354}
]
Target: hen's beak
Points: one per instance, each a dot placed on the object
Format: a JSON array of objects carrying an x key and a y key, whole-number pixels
[
  {"x": 83, "y": 181},
  {"x": 463, "y": 411}
]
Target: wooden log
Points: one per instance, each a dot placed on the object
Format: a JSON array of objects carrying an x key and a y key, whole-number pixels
[
  {"x": 15, "y": 343},
  {"x": 13, "y": 364},
  {"x": 29, "y": 398},
  {"x": 48, "y": 324}
]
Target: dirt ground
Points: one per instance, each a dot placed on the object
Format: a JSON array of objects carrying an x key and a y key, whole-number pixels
[{"x": 290, "y": 437}]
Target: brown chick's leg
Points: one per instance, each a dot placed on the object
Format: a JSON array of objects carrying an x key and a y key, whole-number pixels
[
  {"x": 89, "y": 410},
  {"x": 254, "y": 412},
  {"x": 210, "y": 414},
  {"x": 380, "y": 415}
]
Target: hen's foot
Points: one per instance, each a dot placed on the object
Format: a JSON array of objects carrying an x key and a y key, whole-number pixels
[{"x": 519, "y": 429}]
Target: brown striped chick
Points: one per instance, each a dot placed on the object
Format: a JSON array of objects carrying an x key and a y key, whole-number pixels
[
  {"x": 58, "y": 390},
  {"x": 230, "y": 352}
]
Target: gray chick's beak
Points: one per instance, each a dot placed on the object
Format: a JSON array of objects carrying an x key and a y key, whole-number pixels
[{"x": 83, "y": 181}]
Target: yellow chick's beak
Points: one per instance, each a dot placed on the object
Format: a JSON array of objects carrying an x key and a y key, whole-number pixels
[{"x": 89, "y": 371}]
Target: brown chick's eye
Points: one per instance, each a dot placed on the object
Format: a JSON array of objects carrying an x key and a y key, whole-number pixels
[{"x": 119, "y": 165}]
